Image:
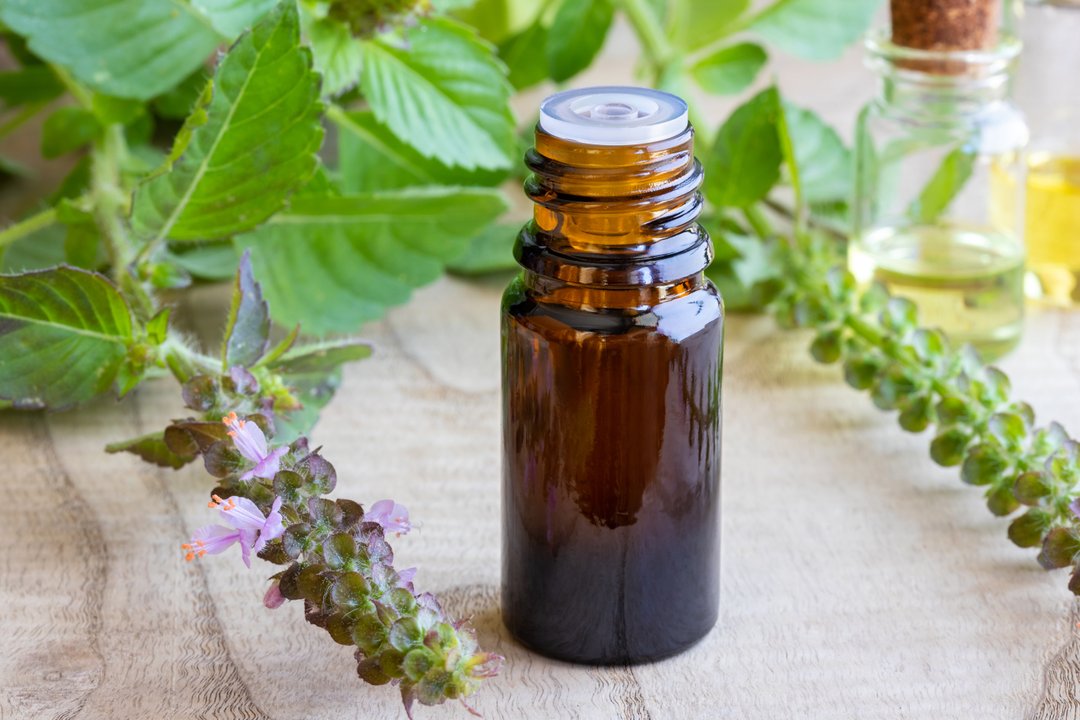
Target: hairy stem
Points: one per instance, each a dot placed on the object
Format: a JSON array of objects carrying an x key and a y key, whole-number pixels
[
  {"x": 77, "y": 91},
  {"x": 184, "y": 361},
  {"x": 27, "y": 226},
  {"x": 662, "y": 54},
  {"x": 107, "y": 197},
  {"x": 878, "y": 340},
  {"x": 650, "y": 34},
  {"x": 832, "y": 231},
  {"x": 110, "y": 206}
]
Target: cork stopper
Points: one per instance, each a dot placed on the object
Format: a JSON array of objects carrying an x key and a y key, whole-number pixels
[{"x": 944, "y": 26}]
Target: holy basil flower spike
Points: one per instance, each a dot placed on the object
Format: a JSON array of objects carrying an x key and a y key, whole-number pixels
[
  {"x": 249, "y": 528},
  {"x": 270, "y": 498}
]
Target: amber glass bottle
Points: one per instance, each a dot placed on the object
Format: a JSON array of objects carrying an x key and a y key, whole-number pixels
[{"x": 612, "y": 355}]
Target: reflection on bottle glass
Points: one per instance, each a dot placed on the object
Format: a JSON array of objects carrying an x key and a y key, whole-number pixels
[{"x": 965, "y": 281}]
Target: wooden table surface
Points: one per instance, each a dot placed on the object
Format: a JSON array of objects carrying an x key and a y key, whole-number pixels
[{"x": 859, "y": 580}]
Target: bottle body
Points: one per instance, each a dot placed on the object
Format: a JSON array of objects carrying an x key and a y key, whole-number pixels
[
  {"x": 1051, "y": 62},
  {"x": 930, "y": 221},
  {"x": 611, "y": 470},
  {"x": 612, "y": 362}
]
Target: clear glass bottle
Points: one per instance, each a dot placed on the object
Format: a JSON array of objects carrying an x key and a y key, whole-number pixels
[
  {"x": 929, "y": 221},
  {"x": 1048, "y": 91},
  {"x": 612, "y": 340}
]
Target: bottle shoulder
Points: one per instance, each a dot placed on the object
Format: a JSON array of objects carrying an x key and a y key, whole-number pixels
[{"x": 677, "y": 318}]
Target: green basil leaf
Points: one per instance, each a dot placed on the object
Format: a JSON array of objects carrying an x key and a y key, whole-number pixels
[
  {"x": 64, "y": 335},
  {"x": 314, "y": 391},
  {"x": 313, "y": 372},
  {"x": 66, "y": 130},
  {"x": 332, "y": 263},
  {"x": 371, "y": 158},
  {"x": 943, "y": 187},
  {"x": 743, "y": 268},
  {"x": 178, "y": 102},
  {"x": 577, "y": 33},
  {"x": 496, "y": 20},
  {"x": 250, "y": 141},
  {"x": 152, "y": 449},
  {"x": 520, "y": 52},
  {"x": 489, "y": 252},
  {"x": 737, "y": 297},
  {"x": 730, "y": 69},
  {"x": 128, "y": 48},
  {"x": 82, "y": 245},
  {"x": 814, "y": 29},
  {"x": 790, "y": 160},
  {"x": 207, "y": 261},
  {"x": 826, "y": 166},
  {"x": 247, "y": 331},
  {"x": 455, "y": 111},
  {"x": 338, "y": 55},
  {"x": 321, "y": 357},
  {"x": 33, "y": 84},
  {"x": 232, "y": 17},
  {"x": 744, "y": 162},
  {"x": 756, "y": 262},
  {"x": 41, "y": 249},
  {"x": 701, "y": 22},
  {"x": 112, "y": 110}
]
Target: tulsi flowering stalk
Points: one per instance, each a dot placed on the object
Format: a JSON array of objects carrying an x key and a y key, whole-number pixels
[{"x": 338, "y": 562}]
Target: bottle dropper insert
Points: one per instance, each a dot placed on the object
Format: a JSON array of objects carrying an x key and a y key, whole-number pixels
[{"x": 614, "y": 115}]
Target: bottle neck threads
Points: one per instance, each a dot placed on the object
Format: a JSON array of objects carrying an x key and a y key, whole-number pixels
[{"x": 613, "y": 215}]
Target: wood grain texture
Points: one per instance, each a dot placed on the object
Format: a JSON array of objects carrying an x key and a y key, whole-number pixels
[{"x": 859, "y": 579}]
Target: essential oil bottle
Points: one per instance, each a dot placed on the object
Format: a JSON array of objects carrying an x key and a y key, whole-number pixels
[
  {"x": 612, "y": 359},
  {"x": 930, "y": 221},
  {"x": 1046, "y": 90}
]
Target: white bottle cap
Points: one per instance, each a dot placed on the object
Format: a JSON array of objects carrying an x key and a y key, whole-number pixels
[{"x": 613, "y": 115}]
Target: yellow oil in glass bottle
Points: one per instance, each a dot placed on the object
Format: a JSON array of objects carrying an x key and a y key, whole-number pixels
[
  {"x": 1046, "y": 90},
  {"x": 928, "y": 215},
  {"x": 612, "y": 341},
  {"x": 1051, "y": 223}
]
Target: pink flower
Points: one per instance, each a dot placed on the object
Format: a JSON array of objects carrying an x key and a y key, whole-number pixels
[
  {"x": 249, "y": 528},
  {"x": 251, "y": 442},
  {"x": 391, "y": 515}
]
